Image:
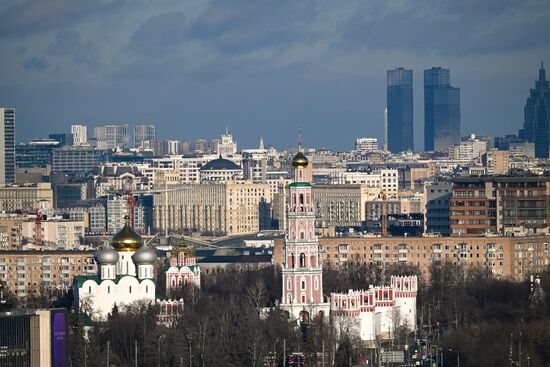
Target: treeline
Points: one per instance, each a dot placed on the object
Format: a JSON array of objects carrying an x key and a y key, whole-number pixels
[{"x": 467, "y": 310}]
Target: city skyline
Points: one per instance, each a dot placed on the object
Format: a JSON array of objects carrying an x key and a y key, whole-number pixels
[{"x": 180, "y": 65}]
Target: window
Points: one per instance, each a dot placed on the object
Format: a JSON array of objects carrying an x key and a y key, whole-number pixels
[
  {"x": 302, "y": 260},
  {"x": 130, "y": 289},
  {"x": 303, "y": 285}
]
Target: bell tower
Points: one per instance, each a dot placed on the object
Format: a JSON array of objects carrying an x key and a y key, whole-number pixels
[{"x": 302, "y": 273}]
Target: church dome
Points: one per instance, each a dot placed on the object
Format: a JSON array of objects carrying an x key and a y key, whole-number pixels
[
  {"x": 220, "y": 164},
  {"x": 299, "y": 161},
  {"x": 145, "y": 256},
  {"x": 106, "y": 255},
  {"x": 127, "y": 239}
]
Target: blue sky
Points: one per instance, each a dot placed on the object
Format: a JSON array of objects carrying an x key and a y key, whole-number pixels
[{"x": 263, "y": 67}]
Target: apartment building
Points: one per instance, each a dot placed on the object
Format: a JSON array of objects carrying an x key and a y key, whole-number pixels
[
  {"x": 28, "y": 272},
  {"x": 499, "y": 204},
  {"x": 508, "y": 257}
]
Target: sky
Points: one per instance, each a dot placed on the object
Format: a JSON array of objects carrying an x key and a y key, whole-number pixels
[{"x": 263, "y": 68}]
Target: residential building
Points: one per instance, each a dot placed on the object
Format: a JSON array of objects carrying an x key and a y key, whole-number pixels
[
  {"x": 28, "y": 272},
  {"x": 441, "y": 111},
  {"x": 226, "y": 147},
  {"x": 469, "y": 149},
  {"x": 499, "y": 204},
  {"x": 339, "y": 204},
  {"x": 7, "y": 145},
  {"x": 400, "y": 110},
  {"x": 496, "y": 162},
  {"x": 509, "y": 257},
  {"x": 438, "y": 195},
  {"x": 80, "y": 134},
  {"x": 386, "y": 180},
  {"x": 536, "y": 127},
  {"x": 112, "y": 136},
  {"x": 11, "y": 228},
  {"x": 55, "y": 232},
  {"x": 143, "y": 134}
]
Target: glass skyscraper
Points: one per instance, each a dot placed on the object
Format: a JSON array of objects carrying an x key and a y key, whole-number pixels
[
  {"x": 400, "y": 132},
  {"x": 537, "y": 116},
  {"x": 441, "y": 111}
]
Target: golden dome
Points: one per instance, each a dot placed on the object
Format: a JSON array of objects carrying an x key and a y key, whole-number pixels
[
  {"x": 299, "y": 161},
  {"x": 127, "y": 239}
]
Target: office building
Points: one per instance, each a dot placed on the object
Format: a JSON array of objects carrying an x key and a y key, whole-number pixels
[
  {"x": 536, "y": 127},
  {"x": 230, "y": 207},
  {"x": 80, "y": 134},
  {"x": 62, "y": 138},
  {"x": 112, "y": 136},
  {"x": 36, "y": 153},
  {"x": 26, "y": 197},
  {"x": 441, "y": 111},
  {"x": 34, "y": 338},
  {"x": 143, "y": 134},
  {"x": 7, "y": 145},
  {"x": 400, "y": 110},
  {"x": 71, "y": 159}
]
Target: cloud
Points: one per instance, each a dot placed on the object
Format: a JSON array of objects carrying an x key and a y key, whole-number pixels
[
  {"x": 68, "y": 42},
  {"x": 159, "y": 34},
  {"x": 35, "y": 64},
  {"x": 38, "y": 16}
]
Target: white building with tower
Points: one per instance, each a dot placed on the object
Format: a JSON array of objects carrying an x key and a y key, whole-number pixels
[
  {"x": 375, "y": 312},
  {"x": 125, "y": 275}
]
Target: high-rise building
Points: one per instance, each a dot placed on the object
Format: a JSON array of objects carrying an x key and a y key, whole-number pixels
[
  {"x": 112, "y": 136},
  {"x": 400, "y": 132},
  {"x": 441, "y": 110},
  {"x": 226, "y": 147},
  {"x": 7, "y": 145},
  {"x": 80, "y": 134},
  {"x": 144, "y": 133},
  {"x": 36, "y": 153},
  {"x": 537, "y": 116}
]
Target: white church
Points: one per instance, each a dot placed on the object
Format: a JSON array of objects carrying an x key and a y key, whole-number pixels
[
  {"x": 125, "y": 274},
  {"x": 374, "y": 312}
]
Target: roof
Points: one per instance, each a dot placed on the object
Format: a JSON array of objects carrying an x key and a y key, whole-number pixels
[
  {"x": 236, "y": 259},
  {"x": 220, "y": 164},
  {"x": 304, "y": 184}
]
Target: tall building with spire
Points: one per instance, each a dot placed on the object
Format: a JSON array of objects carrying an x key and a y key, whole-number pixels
[
  {"x": 302, "y": 273},
  {"x": 536, "y": 126}
]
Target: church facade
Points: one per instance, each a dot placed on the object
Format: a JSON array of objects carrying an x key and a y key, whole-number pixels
[{"x": 125, "y": 275}]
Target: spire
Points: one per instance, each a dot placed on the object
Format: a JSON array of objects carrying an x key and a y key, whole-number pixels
[
  {"x": 542, "y": 72},
  {"x": 261, "y": 143},
  {"x": 299, "y": 139}
]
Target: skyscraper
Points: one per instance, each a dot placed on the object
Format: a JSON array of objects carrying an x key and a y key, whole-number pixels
[
  {"x": 400, "y": 110},
  {"x": 537, "y": 116},
  {"x": 441, "y": 110},
  {"x": 144, "y": 133},
  {"x": 7, "y": 145}
]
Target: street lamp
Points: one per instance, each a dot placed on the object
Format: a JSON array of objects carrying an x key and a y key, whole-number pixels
[{"x": 457, "y": 356}]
